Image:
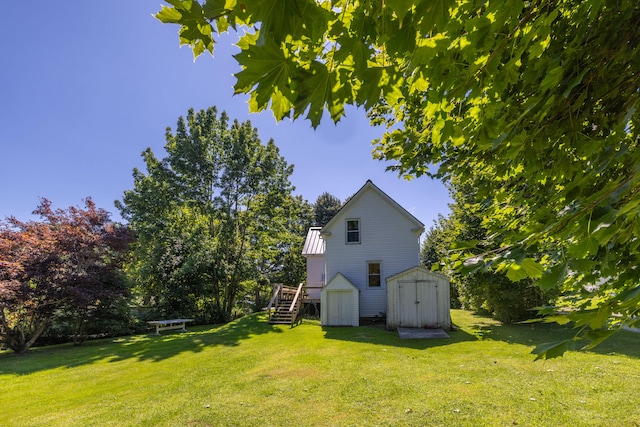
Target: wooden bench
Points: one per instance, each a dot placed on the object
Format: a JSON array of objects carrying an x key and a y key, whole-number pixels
[{"x": 165, "y": 325}]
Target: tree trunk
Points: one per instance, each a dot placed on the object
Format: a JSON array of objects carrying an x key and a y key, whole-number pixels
[{"x": 16, "y": 341}]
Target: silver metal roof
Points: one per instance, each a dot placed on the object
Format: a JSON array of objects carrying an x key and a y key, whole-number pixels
[{"x": 314, "y": 244}]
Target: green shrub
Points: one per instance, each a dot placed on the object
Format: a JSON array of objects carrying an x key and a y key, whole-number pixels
[
  {"x": 114, "y": 319},
  {"x": 495, "y": 294}
]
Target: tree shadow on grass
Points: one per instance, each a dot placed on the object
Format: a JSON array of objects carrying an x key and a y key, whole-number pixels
[
  {"x": 139, "y": 347},
  {"x": 533, "y": 334},
  {"x": 377, "y": 334},
  {"x": 477, "y": 327}
]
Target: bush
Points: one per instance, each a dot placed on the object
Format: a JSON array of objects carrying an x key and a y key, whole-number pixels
[
  {"x": 454, "y": 295},
  {"x": 73, "y": 326},
  {"x": 495, "y": 294}
]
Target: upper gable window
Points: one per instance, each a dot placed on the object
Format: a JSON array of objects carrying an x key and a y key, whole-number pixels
[{"x": 353, "y": 231}]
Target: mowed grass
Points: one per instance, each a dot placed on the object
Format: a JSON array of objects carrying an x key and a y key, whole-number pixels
[{"x": 252, "y": 373}]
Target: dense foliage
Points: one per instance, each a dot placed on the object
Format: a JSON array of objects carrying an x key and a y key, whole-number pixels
[
  {"x": 483, "y": 291},
  {"x": 67, "y": 265},
  {"x": 533, "y": 103},
  {"x": 434, "y": 253},
  {"x": 325, "y": 207},
  {"x": 215, "y": 219}
]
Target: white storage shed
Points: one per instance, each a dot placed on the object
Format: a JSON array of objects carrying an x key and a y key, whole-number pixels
[
  {"x": 418, "y": 298},
  {"x": 340, "y": 304}
]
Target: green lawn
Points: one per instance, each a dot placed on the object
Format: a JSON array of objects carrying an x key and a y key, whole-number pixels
[{"x": 252, "y": 373}]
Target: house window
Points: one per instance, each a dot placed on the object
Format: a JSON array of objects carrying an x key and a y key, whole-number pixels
[
  {"x": 353, "y": 231},
  {"x": 373, "y": 274}
]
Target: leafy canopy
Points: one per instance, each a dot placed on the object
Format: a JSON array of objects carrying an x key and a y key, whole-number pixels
[
  {"x": 69, "y": 261},
  {"x": 216, "y": 213},
  {"x": 534, "y": 103}
]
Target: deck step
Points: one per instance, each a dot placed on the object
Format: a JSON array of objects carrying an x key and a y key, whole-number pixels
[{"x": 281, "y": 313}]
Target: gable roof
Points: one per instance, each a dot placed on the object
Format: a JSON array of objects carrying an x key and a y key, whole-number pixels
[
  {"x": 340, "y": 282},
  {"x": 313, "y": 245},
  {"x": 417, "y": 270},
  {"x": 369, "y": 185}
]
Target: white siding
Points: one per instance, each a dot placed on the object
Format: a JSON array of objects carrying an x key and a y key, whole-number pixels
[
  {"x": 387, "y": 235},
  {"x": 315, "y": 275}
]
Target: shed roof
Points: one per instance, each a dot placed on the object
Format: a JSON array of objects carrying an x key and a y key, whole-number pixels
[
  {"x": 340, "y": 282},
  {"x": 418, "y": 269},
  {"x": 314, "y": 244}
]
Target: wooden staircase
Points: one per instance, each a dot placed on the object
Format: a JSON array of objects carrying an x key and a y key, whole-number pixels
[{"x": 285, "y": 305}]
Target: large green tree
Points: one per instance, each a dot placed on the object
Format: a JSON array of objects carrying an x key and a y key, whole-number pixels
[
  {"x": 534, "y": 103},
  {"x": 210, "y": 216}
]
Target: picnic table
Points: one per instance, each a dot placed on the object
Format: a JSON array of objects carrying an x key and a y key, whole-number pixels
[{"x": 164, "y": 325}]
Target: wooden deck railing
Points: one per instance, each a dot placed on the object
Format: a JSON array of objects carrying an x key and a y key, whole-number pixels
[
  {"x": 277, "y": 290},
  {"x": 295, "y": 305},
  {"x": 286, "y": 303}
]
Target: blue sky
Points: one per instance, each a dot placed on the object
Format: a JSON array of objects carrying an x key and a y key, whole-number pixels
[{"x": 86, "y": 86}]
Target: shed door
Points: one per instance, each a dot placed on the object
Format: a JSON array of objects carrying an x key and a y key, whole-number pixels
[
  {"x": 407, "y": 304},
  {"x": 428, "y": 291},
  {"x": 339, "y": 308},
  {"x": 417, "y": 303}
]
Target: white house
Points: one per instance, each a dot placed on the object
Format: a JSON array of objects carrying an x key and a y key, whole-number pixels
[{"x": 370, "y": 239}]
